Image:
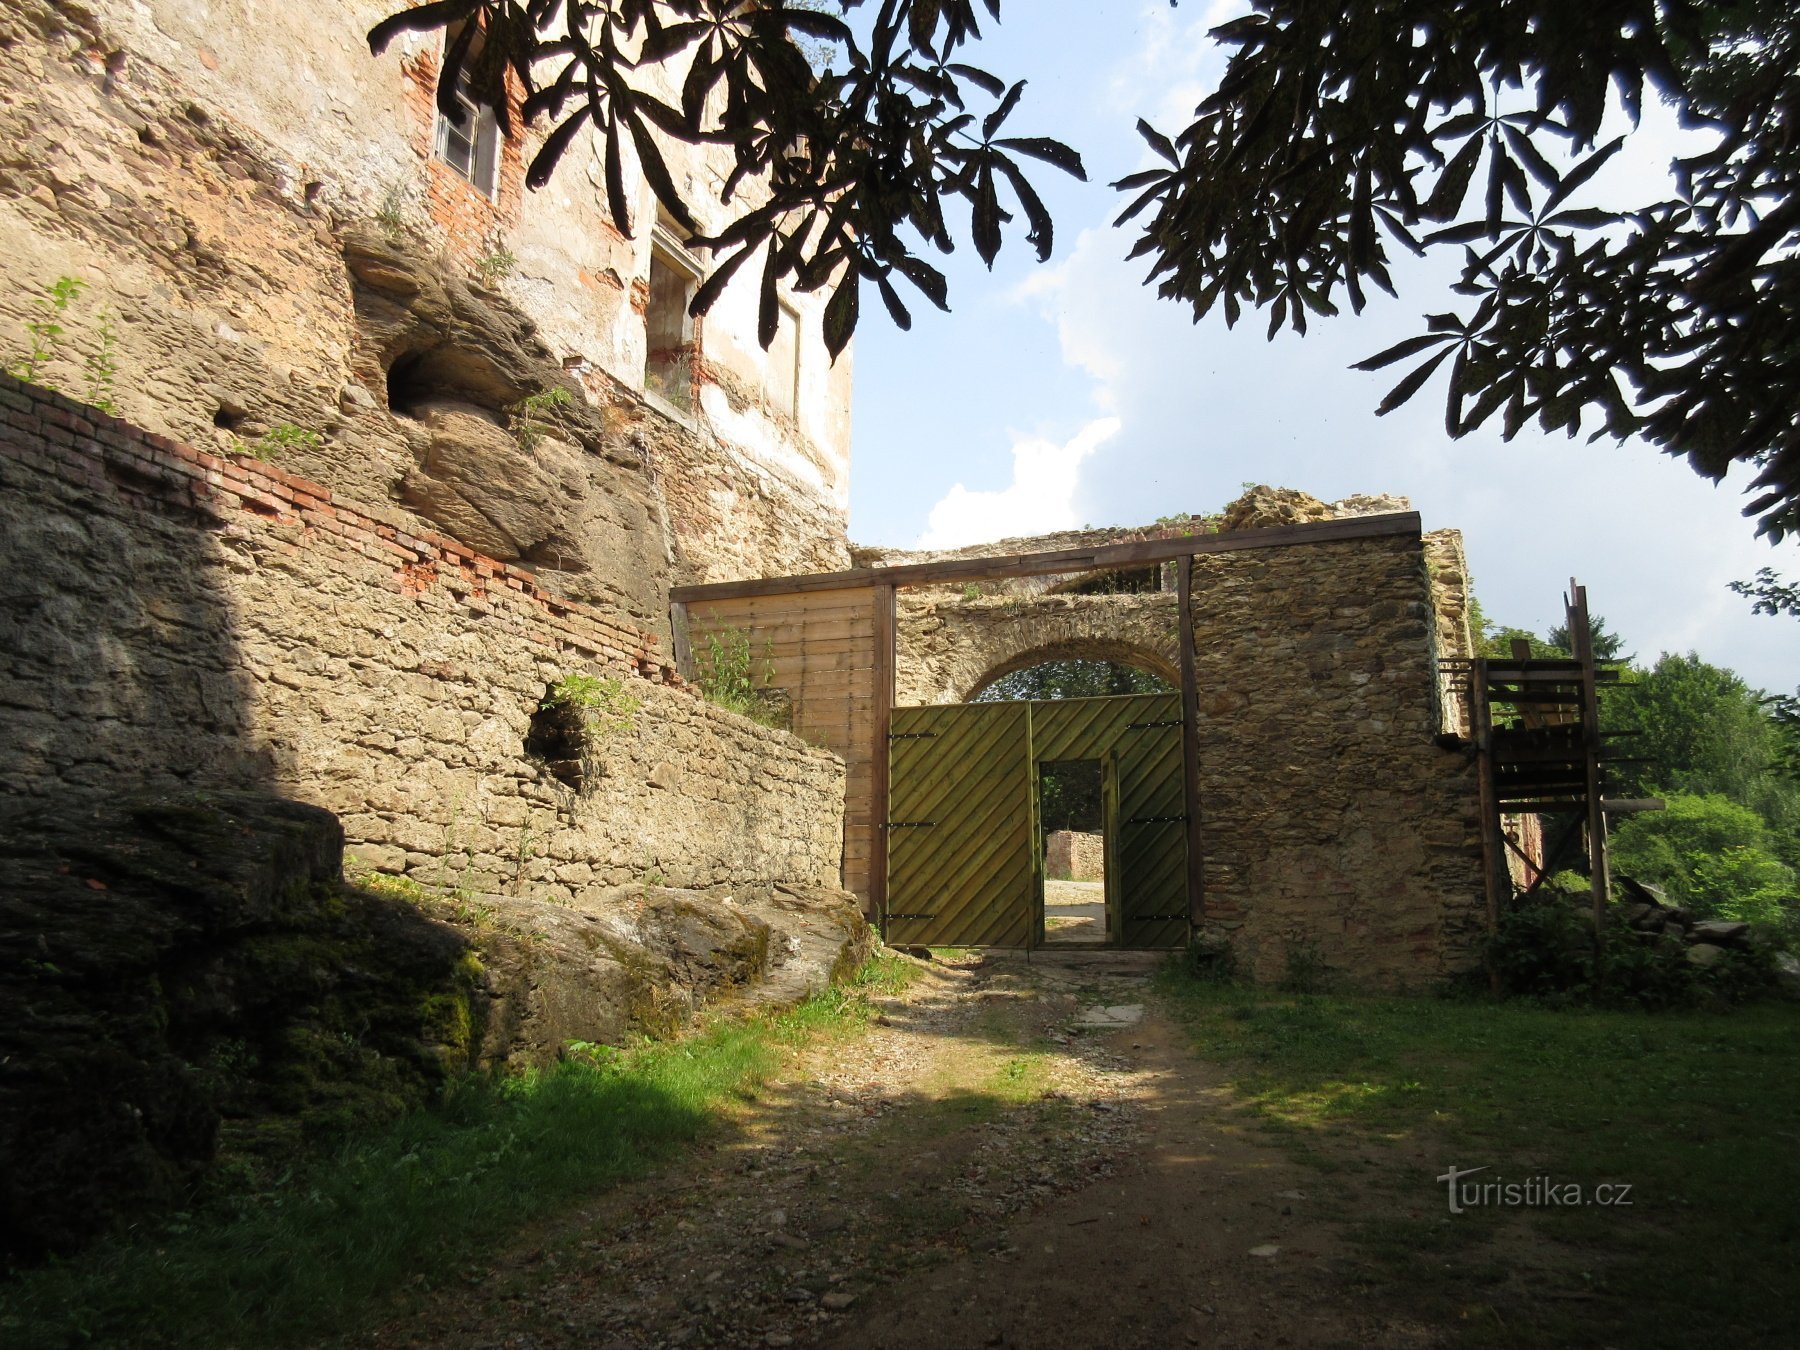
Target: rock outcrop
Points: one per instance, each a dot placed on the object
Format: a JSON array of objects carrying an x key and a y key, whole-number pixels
[{"x": 186, "y": 975}]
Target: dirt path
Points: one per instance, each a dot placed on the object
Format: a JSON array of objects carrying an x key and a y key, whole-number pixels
[{"x": 982, "y": 1168}]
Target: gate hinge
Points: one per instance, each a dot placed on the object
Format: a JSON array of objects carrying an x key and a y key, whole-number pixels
[
  {"x": 911, "y": 735},
  {"x": 1153, "y": 820},
  {"x": 1153, "y": 918},
  {"x": 909, "y": 824},
  {"x": 892, "y": 917},
  {"x": 1136, "y": 726}
]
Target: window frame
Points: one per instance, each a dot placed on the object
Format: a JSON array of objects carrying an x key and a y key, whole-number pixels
[
  {"x": 668, "y": 252},
  {"x": 482, "y": 132}
]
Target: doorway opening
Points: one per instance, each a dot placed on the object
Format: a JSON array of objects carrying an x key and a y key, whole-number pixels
[{"x": 1072, "y": 841}]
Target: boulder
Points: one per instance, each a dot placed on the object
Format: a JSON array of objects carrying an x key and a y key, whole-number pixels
[
  {"x": 185, "y": 974},
  {"x": 1629, "y": 888},
  {"x": 1643, "y": 917},
  {"x": 1705, "y": 954},
  {"x": 1720, "y": 932},
  {"x": 181, "y": 968},
  {"x": 1787, "y": 973},
  {"x": 477, "y": 484},
  {"x": 643, "y": 959}
]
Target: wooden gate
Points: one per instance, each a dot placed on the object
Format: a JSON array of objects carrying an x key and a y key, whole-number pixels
[
  {"x": 962, "y": 833},
  {"x": 1150, "y": 835},
  {"x": 964, "y": 850}
]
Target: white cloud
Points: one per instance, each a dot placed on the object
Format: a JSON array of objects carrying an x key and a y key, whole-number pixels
[{"x": 1039, "y": 499}]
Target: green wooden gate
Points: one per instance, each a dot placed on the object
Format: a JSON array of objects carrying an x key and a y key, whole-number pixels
[
  {"x": 964, "y": 851},
  {"x": 962, "y": 864}
]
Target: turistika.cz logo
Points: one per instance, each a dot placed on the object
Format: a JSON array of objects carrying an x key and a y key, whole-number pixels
[{"x": 1539, "y": 1192}]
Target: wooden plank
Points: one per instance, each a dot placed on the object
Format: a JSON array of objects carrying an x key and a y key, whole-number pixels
[
  {"x": 679, "y": 644},
  {"x": 1096, "y": 559},
  {"x": 1625, "y": 806},
  {"x": 877, "y": 809},
  {"x": 840, "y": 603},
  {"x": 1190, "y": 745}
]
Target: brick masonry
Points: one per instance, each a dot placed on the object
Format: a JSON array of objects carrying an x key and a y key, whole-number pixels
[{"x": 173, "y": 616}]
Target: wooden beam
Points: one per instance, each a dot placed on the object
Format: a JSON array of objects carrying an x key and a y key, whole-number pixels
[
  {"x": 1626, "y": 806},
  {"x": 1581, "y": 645},
  {"x": 1493, "y": 856},
  {"x": 1096, "y": 559},
  {"x": 679, "y": 642},
  {"x": 882, "y": 724},
  {"x": 1190, "y": 745}
]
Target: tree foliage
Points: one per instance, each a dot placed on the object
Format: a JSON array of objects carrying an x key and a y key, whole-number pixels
[
  {"x": 1710, "y": 854},
  {"x": 1342, "y": 131},
  {"x": 1073, "y": 678},
  {"x": 1702, "y": 730},
  {"x": 834, "y": 174}
]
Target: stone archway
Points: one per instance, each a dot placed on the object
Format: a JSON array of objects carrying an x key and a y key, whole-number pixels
[{"x": 949, "y": 649}]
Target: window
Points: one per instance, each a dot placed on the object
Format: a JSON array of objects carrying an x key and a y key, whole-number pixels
[
  {"x": 470, "y": 144},
  {"x": 781, "y": 383},
  {"x": 669, "y": 328}
]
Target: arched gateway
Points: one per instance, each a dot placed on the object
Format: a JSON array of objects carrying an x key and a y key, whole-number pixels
[{"x": 1303, "y": 789}]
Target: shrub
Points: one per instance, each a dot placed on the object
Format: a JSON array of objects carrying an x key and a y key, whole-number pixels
[
  {"x": 535, "y": 416},
  {"x": 730, "y": 679},
  {"x": 1545, "y": 950}
]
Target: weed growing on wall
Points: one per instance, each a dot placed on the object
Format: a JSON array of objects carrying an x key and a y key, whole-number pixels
[
  {"x": 391, "y": 214},
  {"x": 45, "y": 332},
  {"x": 100, "y": 368},
  {"x": 601, "y": 702},
  {"x": 731, "y": 678},
  {"x": 494, "y": 267},
  {"x": 280, "y": 438},
  {"x": 535, "y": 416}
]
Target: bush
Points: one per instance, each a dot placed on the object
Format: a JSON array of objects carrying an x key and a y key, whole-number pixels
[{"x": 1545, "y": 950}]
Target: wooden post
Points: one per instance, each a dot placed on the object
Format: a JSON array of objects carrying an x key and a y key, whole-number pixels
[
  {"x": 1493, "y": 846},
  {"x": 1581, "y": 644},
  {"x": 1190, "y": 746},
  {"x": 882, "y": 722},
  {"x": 679, "y": 642}
]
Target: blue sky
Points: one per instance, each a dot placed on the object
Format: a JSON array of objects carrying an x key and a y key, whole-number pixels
[{"x": 1065, "y": 394}]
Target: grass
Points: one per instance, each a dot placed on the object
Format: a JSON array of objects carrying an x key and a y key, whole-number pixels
[
  {"x": 423, "y": 1202},
  {"x": 1699, "y": 1113}
]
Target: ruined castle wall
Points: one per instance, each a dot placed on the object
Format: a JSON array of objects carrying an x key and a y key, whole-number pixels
[
  {"x": 1334, "y": 824},
  {"x": 219, "y": 174},
  {"x": 177, "y": 617},
  {"x": 950, "y": 646},
  {"x": 1333, "y": 821},
  {"x": 1074, "y": 855}
]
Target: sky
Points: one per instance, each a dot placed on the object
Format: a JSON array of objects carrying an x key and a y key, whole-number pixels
[{"x": 1066, "y": 394}]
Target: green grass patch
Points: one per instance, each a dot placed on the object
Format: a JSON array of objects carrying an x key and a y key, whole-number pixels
[
  {"x": 1698, "y": 1112},
  {"x": 422, "y": 1202}
]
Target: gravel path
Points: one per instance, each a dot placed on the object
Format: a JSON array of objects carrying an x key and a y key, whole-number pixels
[{"x": 981, "y": 1167}]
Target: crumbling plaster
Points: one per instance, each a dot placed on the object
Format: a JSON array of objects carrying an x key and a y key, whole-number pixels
[{"x": 204, "y": 167}]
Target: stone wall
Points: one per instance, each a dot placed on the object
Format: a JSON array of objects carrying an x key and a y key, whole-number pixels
[
  {"x": 1335, "y": 825},
  {"x": 951, "y": 647},
  {"x": 1074, "y": 855},
  {"x": 175, "y": 617},
  {"x": 1334, "y": 821},
  {"x": 269, "y": 250}
]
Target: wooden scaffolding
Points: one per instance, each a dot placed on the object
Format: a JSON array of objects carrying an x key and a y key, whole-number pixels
[{"x": 1540, "y": 750}]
